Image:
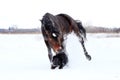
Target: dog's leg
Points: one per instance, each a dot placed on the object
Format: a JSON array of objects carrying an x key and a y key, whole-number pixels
[
  {"x": 85, "y": 51},
  {"x": 50, "y": 55},
  {"x": 53, "y": 66},
  {"x": 61, "y": 66}
]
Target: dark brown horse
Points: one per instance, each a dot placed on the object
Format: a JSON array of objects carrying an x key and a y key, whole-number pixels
[{"x": 56, "y": 27}]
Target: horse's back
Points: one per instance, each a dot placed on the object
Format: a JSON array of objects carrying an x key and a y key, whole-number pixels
[
  {"x": 65, "y": 23},
  {"x": 69, "y": 24}
]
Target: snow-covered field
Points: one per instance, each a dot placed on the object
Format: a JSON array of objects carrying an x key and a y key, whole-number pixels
[{"x": 24, "y": 57}]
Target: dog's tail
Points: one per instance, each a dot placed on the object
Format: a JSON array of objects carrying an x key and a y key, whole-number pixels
[{"x": 81, "y": 28}]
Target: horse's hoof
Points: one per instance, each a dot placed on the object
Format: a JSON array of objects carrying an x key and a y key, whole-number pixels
[{"x": 88, "y": 57}]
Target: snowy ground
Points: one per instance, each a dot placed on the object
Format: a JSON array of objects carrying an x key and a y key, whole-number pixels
[{"x": 24, "y": 57}]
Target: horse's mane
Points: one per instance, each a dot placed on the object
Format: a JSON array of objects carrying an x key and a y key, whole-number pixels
[{"x": 65, "y": 20}]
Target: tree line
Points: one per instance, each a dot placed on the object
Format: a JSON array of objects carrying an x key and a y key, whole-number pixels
[
  {"x": 93, "y": 29},
  {"x": 89, "y": 29}
]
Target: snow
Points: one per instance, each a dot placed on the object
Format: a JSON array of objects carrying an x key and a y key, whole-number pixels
[
  {"x": 26, "y": 14},
  {"x": 24, "y": 57}
]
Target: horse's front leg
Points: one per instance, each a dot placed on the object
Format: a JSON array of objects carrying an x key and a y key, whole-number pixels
[
  {"x": 85, "y": 51},
  {"x": 50, "y": 55}
]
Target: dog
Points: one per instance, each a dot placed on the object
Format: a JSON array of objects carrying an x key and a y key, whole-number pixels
[{"x": 59, "y": 60}]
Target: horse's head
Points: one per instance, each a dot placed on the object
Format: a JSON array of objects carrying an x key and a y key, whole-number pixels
[{"x": 52, "y": 32}]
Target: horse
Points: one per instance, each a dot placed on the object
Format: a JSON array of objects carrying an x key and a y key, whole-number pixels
[{"x": 55, "y": 29}]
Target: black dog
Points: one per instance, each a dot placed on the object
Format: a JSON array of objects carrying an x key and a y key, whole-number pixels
[{"x": 59, "y": 60}]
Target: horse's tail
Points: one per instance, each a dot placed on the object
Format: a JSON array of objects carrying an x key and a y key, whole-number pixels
[{"x": 81, "y": 28}]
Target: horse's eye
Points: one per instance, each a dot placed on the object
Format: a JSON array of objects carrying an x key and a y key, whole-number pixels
[{"x": 54, "y": 35}]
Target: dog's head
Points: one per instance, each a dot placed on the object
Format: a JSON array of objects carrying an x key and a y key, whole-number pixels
[
  {"x": 59, "y": 60},
  {"x": 56, "y": 60}
]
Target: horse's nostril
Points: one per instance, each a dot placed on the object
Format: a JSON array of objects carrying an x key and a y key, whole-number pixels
[{"x": 58, "y": 49}]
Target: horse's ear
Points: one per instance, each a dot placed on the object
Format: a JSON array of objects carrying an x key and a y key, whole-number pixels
[{"x": 40, "y": 20}]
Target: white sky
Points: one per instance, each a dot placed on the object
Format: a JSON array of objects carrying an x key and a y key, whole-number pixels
[{"x": 26, "y": 13}]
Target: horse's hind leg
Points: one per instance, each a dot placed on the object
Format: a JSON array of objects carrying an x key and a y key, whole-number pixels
[
  {"x": 85, "y": 51},
  {"x": 81, "y": 33}
]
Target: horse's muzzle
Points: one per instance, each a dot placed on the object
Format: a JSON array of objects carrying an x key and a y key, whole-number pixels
[{"x": 58, "y": 49}]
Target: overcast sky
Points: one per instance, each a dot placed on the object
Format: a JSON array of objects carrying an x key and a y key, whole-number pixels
[{"x": 26, "y": 13}]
